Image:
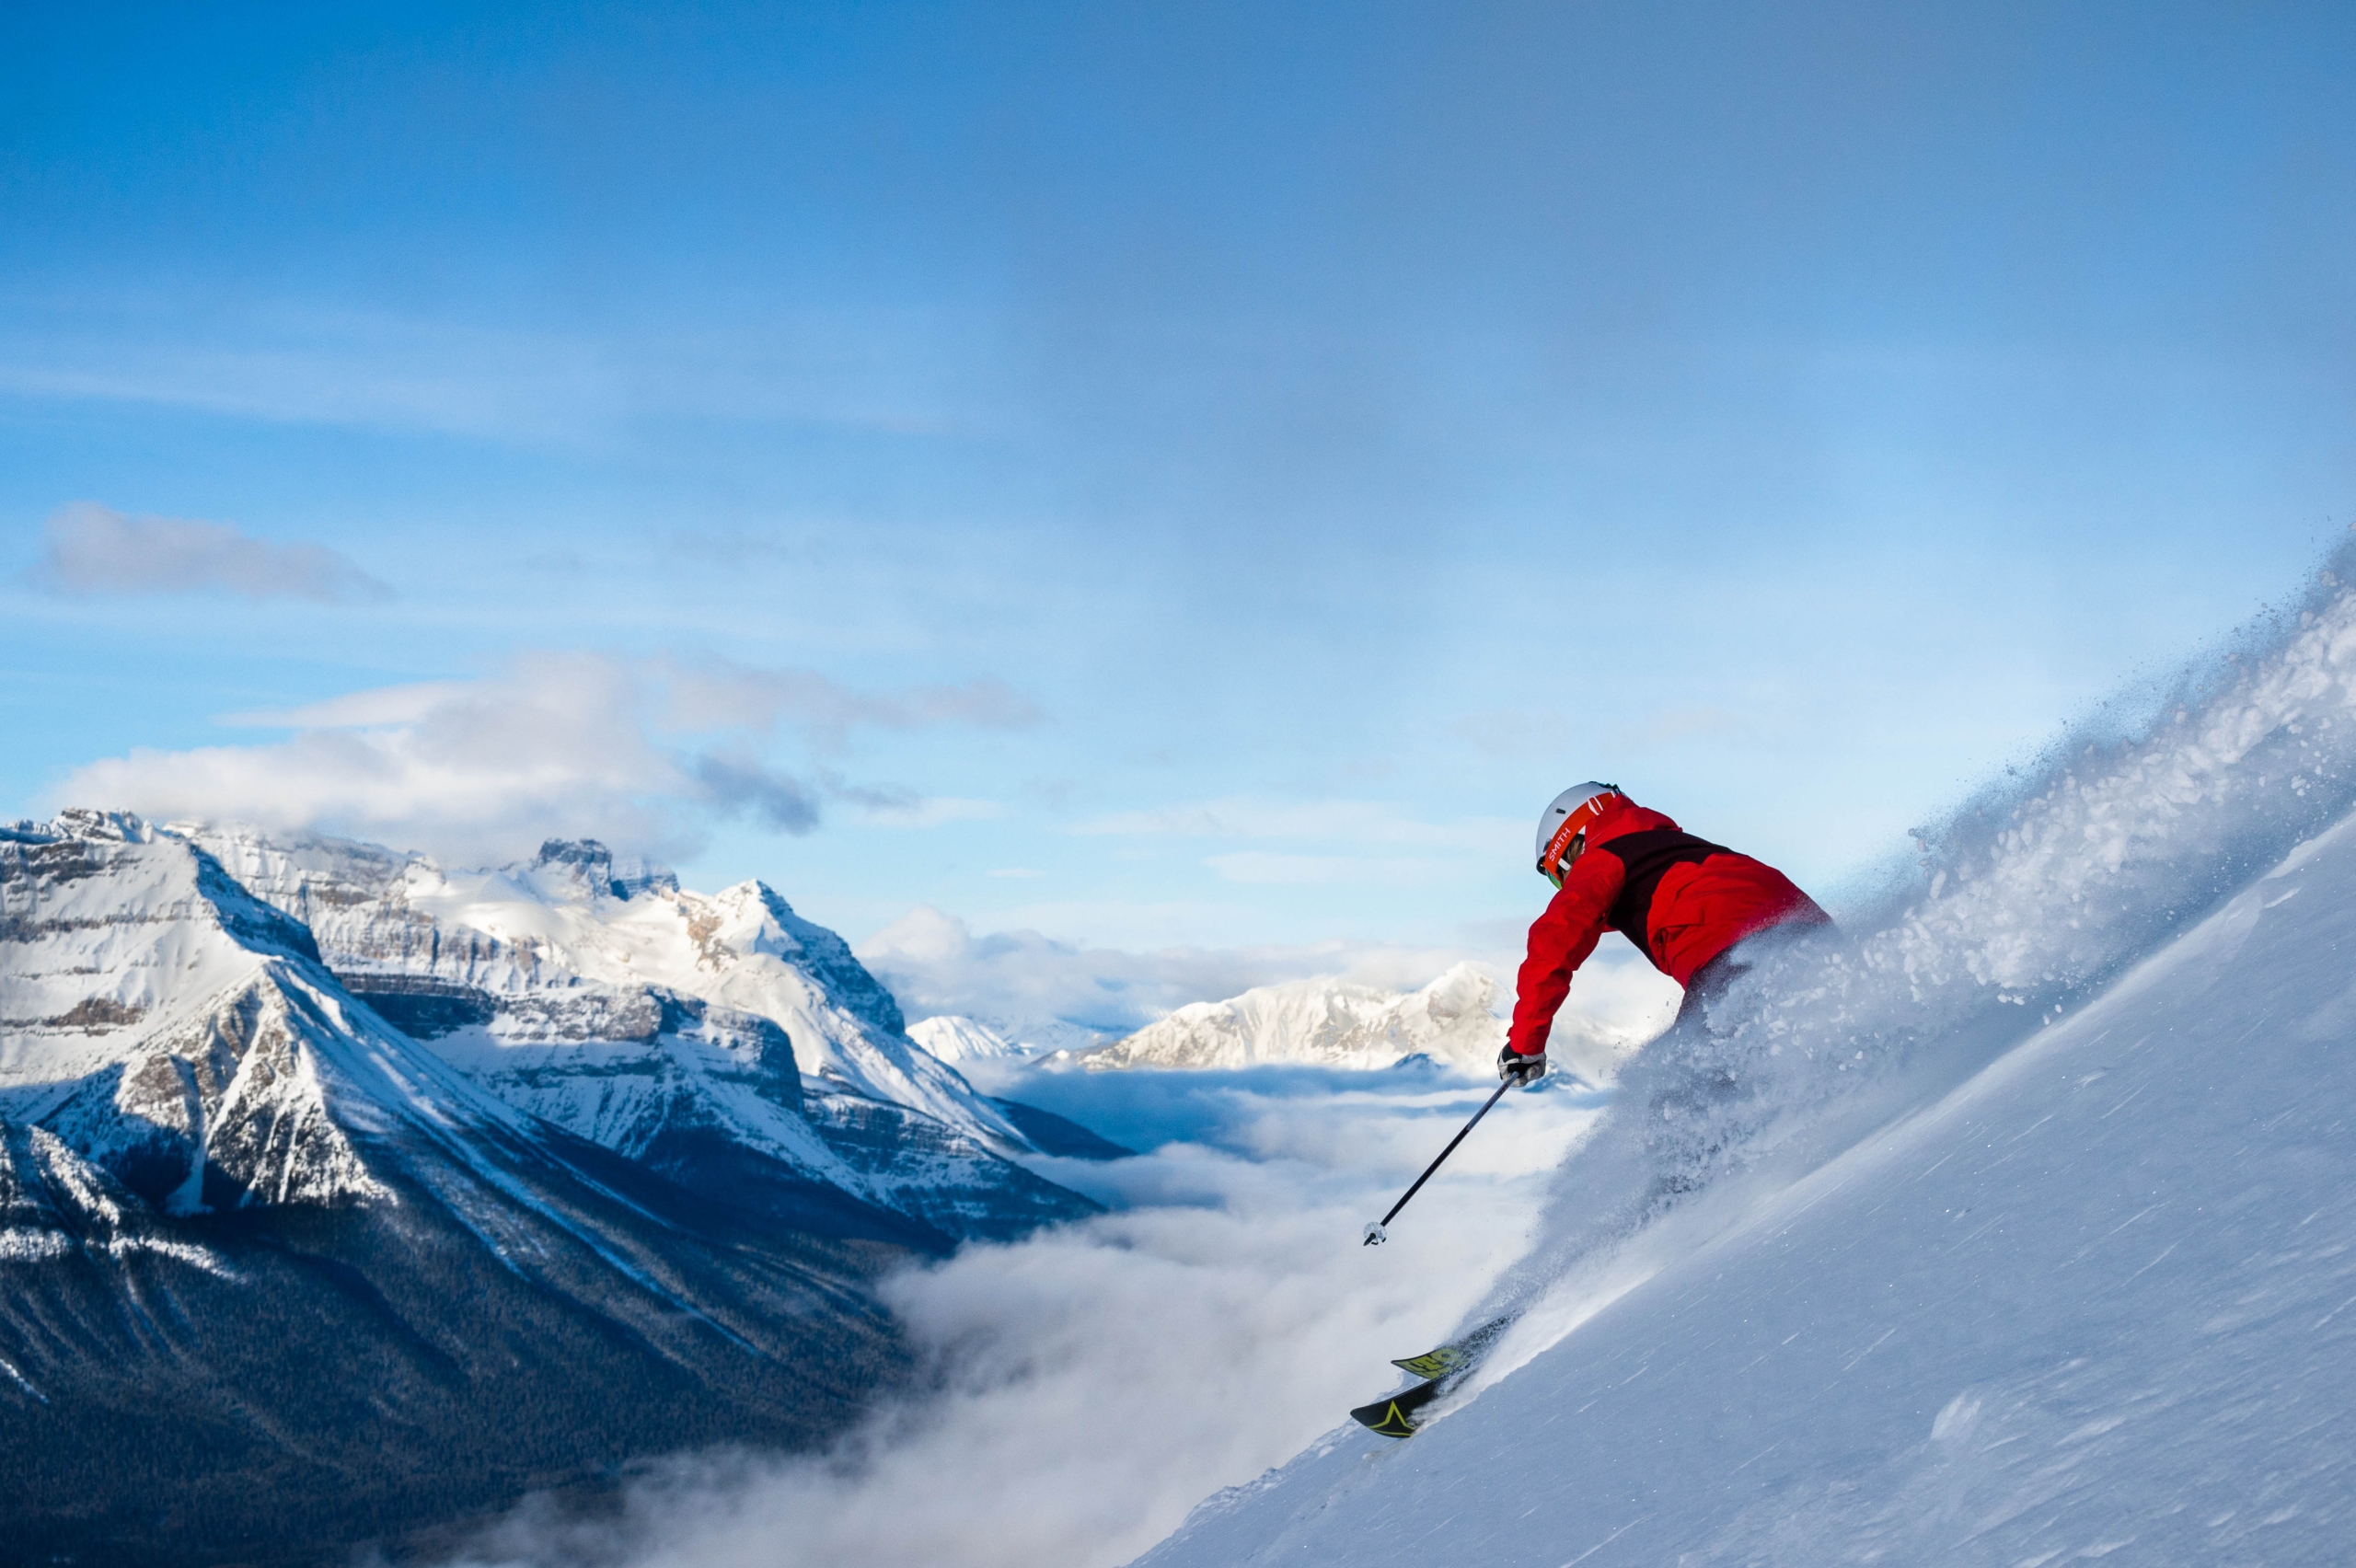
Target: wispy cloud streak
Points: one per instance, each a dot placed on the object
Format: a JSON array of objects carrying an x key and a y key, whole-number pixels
[{"x": 88, "y": 548}]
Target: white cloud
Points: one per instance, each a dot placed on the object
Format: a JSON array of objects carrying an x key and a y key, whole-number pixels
[
  {"x": 89, "y": 548},
  {"x": 562, "y": 744}
]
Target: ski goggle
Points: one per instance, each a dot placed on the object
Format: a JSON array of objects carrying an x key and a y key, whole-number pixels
[
  {"x": 1570, "y": 838},
  {"x": 1554, "y": 871}
]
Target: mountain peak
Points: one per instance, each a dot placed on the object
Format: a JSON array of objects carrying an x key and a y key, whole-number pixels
[
  {"x": 1464, "y": 988},
  {"x": 600, "y": 870},
  {"x": 84, "y": 822},
  {"x": 585, "y": 856}
]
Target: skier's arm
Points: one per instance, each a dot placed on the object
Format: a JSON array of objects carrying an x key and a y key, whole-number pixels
[{"x": 1560, "y": 940}]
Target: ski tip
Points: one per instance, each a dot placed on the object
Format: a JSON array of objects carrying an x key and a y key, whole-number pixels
[
  {"x": 1433, "y": 1363},
  {"x": 1385, "y": 1420},
  {"x": 1396, "y": 1416}
]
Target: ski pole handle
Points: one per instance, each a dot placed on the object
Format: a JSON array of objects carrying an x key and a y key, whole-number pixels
[{"x": 1377, "y": 1232}]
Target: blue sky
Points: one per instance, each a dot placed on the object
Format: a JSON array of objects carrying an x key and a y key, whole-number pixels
[{"x": 1191, "y": 476}]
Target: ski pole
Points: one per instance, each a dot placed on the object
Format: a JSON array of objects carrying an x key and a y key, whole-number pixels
[{"x": 1379, "y": 1230}]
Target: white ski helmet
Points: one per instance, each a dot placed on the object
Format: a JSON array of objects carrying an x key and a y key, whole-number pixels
[{"x": 1564, "y": 820}]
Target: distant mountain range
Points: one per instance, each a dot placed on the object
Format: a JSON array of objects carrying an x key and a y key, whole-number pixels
[
  {"x": 1328, "y": 1023},
  {"x": 341, "y": 1195}
]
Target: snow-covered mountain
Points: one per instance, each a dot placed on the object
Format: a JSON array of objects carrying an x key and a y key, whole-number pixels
[
  {"x": 673, "y": 1027},
  {"x": 1331, "y": 1022},
  {"x": 2018, "y": 1230},
  {"x": 163, "y": 1024},
  {"x": 277, "y": 1278},
  {"x": 954, "y": 1038},
  {"x": 1325, "y": 1021}
]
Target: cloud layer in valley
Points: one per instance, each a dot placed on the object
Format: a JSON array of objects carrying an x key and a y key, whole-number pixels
[{"x": 1085, "y": 1388}]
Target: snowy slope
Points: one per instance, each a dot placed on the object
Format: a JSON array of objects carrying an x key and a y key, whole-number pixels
[
  {"x": 2098, "y": 1297},
  {"x": 1329, "y": 1022},
  {"x": 609, "y": 1001},
  {"x": 2015, "y": 1229}
]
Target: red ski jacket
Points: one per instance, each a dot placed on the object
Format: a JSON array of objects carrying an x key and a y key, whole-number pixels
[{"x": 1682, "y": 900}]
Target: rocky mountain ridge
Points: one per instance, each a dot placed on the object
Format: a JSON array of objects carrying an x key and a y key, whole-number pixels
[{"x": 667, "y": 1025}]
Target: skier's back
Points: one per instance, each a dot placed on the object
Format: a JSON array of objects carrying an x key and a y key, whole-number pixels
[{"x": 1690, "y": 907}]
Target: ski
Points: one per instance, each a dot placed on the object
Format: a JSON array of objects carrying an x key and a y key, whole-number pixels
[
  {"x": 1437, "y": 1363},
  {"x": 1395, "y": 1416},
  {"x": 1441, "y": 1368},
  {"x": 1457, "y": 1356}
]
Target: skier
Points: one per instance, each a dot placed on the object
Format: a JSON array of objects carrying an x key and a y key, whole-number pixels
[
  {"x": 1704, "y": 914},
  {"x": 1690, "y": 906}
]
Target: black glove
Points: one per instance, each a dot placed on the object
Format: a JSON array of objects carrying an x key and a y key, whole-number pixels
[{"x": 1520, "y": 1070}]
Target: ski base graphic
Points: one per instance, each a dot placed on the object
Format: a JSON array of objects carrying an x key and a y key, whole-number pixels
[{"x": 1395, "y": 1416}]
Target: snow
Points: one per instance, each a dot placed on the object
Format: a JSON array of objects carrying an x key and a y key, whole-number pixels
[{"x": 2029, "y": 1236}]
